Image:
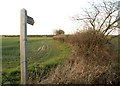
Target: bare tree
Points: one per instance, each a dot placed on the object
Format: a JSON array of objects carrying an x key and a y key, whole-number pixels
[{"x": 102, "y": 17}]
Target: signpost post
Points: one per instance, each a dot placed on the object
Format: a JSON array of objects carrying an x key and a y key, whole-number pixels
[{"x": 23, "y": 44}]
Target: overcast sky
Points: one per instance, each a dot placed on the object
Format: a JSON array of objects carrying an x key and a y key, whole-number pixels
[{"x": 48, "y": 15}]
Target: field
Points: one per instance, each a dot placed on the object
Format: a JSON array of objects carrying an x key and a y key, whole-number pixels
[{"x": 43, "y": 53}]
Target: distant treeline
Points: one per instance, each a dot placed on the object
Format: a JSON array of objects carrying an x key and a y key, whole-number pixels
[
  {"x": 47, "y": 35},
  {"x": 28, "y": 35}
]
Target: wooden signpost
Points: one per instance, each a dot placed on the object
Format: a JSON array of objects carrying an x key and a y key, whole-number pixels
[{"x": 23, "y": 44}]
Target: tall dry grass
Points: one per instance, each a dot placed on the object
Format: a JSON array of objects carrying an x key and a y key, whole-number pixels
[{"x": 91, "y": 62}]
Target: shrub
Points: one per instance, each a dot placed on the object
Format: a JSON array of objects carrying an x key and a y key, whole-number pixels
[
  {"x": 92, "y": 61},
  {"x": 60, "y": 38},
  {"x": 89, "y": 38}
]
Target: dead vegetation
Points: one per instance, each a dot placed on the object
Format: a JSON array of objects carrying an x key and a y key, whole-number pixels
[{"x": 92, "y": 61}]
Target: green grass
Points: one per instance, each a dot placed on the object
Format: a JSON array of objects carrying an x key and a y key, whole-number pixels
[{"x": 43, "y": 53}]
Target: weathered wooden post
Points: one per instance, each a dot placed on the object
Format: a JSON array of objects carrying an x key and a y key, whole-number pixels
[{"x": 23, "y": 44}]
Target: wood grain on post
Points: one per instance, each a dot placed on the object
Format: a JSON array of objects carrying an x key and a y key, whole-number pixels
[{"x": 23, "y": 47}]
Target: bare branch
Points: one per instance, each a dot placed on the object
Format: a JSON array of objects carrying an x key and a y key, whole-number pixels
[
  {"x": 109, "y": 32},
  {"x": 106, "y": 18},
  {"x": 101, "y": 17},
  {"x": 109, "y": 26},
  {"x": 82, "y": 18}
]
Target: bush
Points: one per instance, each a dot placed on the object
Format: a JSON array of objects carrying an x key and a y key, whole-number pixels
[
  {"x": 60, "y": 38},
  {"x": 92, "y": 61},
  {"x": 89, "y": 38}
]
